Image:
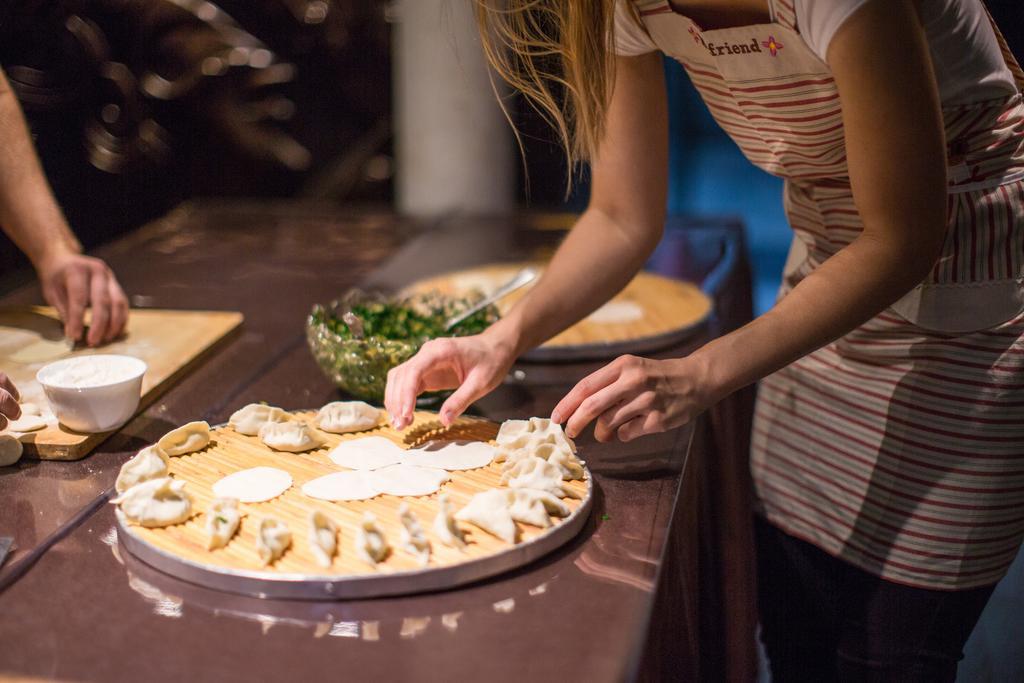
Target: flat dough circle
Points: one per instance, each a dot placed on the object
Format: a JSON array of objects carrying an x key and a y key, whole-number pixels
[
  {"x": 26, "y": 423},
  {"x": 41, "y": 351},
  {"x": 617, "y": 313},
  {"x": 341, "y": 486},
  {"x": 253, "y": 485},
  {"x": 29, "y": 408},
  {"x": 368, "y": 453},
  {"x": 408, "y": 480},
  {"x": 452, "y": 455}
]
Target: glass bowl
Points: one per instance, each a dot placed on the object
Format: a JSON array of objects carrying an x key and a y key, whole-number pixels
[{"x": 394, "y": 330}]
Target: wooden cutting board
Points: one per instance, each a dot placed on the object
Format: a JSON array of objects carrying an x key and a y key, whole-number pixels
[
  {"x": 170, "y": 342},
  {"x": 661, "y": 311},
  {"x": 180, "y": 550}
]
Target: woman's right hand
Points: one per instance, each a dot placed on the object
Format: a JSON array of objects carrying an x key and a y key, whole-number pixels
[
  {"x": 473, "y": 366},
  {"x": 9, "y": 408}
]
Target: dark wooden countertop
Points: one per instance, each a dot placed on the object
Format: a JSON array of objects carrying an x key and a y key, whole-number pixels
[{"x": 74, "y": 606}]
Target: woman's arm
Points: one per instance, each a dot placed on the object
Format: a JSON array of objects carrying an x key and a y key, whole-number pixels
[
  {"x": 30, "y": 216},
  {"x": 895, "y": 149},
  {"x": 624, "y": 219},
  {"x": 896, "y": 156},
  {"x": 607, "y": 246}
]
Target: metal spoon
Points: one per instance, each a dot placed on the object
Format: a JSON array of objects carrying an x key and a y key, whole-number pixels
[
  {"x": 5, "y": 545},
  {"x": 523, "y": 277},
  {"x": 355, "y": 324}
]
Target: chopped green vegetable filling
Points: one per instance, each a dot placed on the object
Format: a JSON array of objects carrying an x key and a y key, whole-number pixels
[
  {"x": 397, "y": 321},
  {"x": 383, "y": 334}
]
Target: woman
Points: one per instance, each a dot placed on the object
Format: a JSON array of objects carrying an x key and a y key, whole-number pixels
[{"x": 887, "y": 455}]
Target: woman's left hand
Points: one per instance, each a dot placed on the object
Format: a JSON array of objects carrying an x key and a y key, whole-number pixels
[{"x": 633, "y": 396}]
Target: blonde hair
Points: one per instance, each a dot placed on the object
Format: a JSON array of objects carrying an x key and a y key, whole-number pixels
[{"x": 550, "y": 49}]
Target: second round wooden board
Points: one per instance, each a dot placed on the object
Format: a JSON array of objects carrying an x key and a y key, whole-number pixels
[
  {"x": 180, "y": 550},
  {"x": 671, "y": 309}
]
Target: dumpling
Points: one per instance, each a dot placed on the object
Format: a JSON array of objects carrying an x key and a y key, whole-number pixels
[
  {"x": 371, "y": 546},
  {"x": 185, "y": 439},
  {"x": 342, "y": 417},
  {"x": 511, "y": 430},
  {"x": 222, "y": 521},
  {"x": 156, "y": 503},
  {"x": 536, "y": 430},
  {"x": 413, "y": 540},
  {"x": 570, "y": 466},
  {"x": 545, "y": 447},
  {"x": 552, "y": 432},
  {"x": 445, "y": 527},
  {"x": 533, "y": 507},
  {"x": 323, "y": 538},
  {"x": 292, "y": 436},
  {"x": 149, "y": 463},
  {"x": 490, "y": 511},
  {"x": 539, "y": 474},
  {"x": 511, "y": 449},
  {"x": 272, "y": 539},
  {"x": 10, "y": 450},
  {"x": 565, "y": 460},
  {"x": 510, "y": 456},
  {"x": 249, "y": 419}
]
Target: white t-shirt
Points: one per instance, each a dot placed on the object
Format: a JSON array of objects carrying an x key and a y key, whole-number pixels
[{"x": 969, "y": 65}]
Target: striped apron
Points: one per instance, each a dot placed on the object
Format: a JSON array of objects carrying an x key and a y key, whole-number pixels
[{"x": 899, "y": 447}]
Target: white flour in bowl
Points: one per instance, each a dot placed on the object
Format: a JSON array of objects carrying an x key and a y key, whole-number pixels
[{"x": 90, "y": 371}]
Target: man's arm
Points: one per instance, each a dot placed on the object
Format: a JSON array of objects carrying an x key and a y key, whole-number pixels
[{"x": 31, "y": 218}]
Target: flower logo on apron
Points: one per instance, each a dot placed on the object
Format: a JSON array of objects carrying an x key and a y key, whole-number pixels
[{"x": 772, "y": 45}]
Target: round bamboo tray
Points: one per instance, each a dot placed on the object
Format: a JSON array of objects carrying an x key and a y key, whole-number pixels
[
  {"x": 180, "y": 550},
  {"x": 672, "y": 310}
]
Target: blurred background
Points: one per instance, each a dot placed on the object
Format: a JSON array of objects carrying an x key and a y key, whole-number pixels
[{"x": 138, "y": 105}]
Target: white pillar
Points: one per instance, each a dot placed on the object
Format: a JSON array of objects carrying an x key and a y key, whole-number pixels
[{"x": 454, "y": 148}]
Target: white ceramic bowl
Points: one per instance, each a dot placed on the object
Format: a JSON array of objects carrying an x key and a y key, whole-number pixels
[{"x": 96, "y": 393}]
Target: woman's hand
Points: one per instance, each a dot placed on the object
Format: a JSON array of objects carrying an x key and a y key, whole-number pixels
[
  {"x": 9, "y": 396},
  {"x": 71, "y": 282},
  {"x": 634, "y": 396},
  {"x": 472, "y": 365}
]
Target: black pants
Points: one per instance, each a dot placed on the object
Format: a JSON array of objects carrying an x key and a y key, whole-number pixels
[{"x": 823, "y": 619}]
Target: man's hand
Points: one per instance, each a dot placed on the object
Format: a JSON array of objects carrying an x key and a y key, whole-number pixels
[
  {"x": 9, "y": 396},
  {"x": 71, "y": 282},
  {"x": 31, "y": 218}
]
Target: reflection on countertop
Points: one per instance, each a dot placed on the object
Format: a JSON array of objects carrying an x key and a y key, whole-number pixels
[{"x": 368, "y": 620}]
